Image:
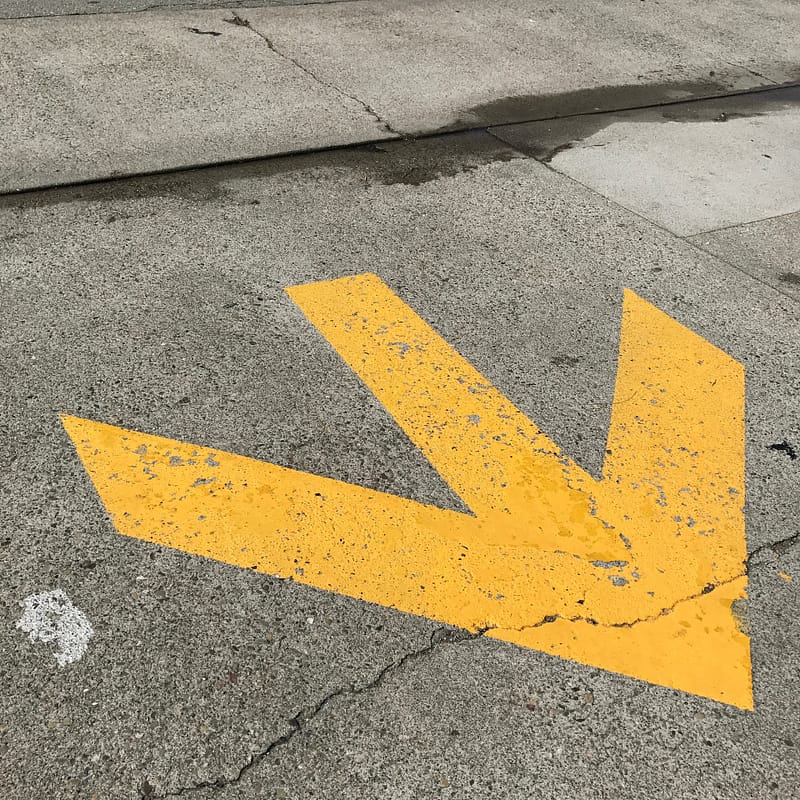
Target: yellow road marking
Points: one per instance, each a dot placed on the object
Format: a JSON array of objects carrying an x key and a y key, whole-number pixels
[{"x": 634, "y": 573}]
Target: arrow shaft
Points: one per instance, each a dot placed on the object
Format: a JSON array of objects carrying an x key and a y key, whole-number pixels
[{"x": 332, "y": 535}]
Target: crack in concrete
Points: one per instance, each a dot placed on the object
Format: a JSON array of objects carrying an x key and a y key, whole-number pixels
[
  {"x": 752, "y": 72},
  {"x": 174, "y": 6},
  {"x": 244, "y": 23},
  {"x": 298, "y": 723},
  {"x": 694, "y": 241},
  {"x": 778, "y": 547}
]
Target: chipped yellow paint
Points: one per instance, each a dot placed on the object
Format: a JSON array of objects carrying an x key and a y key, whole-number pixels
[
  {"x": 636, "y": 572},
  {"x": 785, "y": 576}
]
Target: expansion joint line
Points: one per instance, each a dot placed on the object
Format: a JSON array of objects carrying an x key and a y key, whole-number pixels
[{"x": 244, "y": 23}]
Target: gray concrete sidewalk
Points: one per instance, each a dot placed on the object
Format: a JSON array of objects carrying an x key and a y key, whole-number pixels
[{"x": 88, "y": 97}]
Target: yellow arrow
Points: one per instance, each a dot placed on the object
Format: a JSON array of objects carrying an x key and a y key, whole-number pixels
[{"x": 637, "y": 572}]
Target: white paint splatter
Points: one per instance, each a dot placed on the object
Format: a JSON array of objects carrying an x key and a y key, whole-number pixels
[{"x": 51, "y": 617}]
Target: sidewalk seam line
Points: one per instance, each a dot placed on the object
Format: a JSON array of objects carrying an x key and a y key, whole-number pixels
[
  {"x": 640, "y": 215},
  {"x": 733, "y": 225},
  {"x": 493, "y": 129},
  {"x": 177, "y": 7},
  {"x": 736, "y": 267},
  {"x": 598, "y": 112}
]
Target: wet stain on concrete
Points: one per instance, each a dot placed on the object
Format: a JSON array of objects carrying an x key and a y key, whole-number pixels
[
  {"x": 547, "y": 138},
  {"x": 565, "y": 360},
  {"x": 413, "y": 162},
  {"x": 407, "y": 162},
  {"x": 792, "y": 278},
  {"x": 204, "y": 33},
  {"x": 600, "y": 99}
]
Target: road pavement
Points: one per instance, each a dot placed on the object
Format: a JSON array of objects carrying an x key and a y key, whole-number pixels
[{"x": 140, "y": 662}]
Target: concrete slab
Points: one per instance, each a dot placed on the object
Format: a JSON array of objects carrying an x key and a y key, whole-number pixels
[
  {"x": 159, "y": 305},
  {"x": 92, "y": 97},
  {"x": 99, "y": 95},
  {"x": 426, "y": 65},
  {"x": 689, "y": 167},
  {"x": 767, "y": 250}
]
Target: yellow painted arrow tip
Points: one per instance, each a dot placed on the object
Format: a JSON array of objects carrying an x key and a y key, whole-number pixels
[
  {"x": 698, "y": 647},
  {"x": 633, "y": 303},
  {"x": 78, "y": 427}
]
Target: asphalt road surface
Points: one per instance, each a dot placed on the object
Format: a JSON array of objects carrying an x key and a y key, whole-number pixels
[
  {"x": 455, "y": 466},
  {"x": 159, "y": 305}
]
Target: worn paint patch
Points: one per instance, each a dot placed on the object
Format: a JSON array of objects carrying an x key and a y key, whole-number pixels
[
  {"x": 785, "y": 576},
  {"x": 51, "y": 618},
  {"x": 636, "y": 572}
]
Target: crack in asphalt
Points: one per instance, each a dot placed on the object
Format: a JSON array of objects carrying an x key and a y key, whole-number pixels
[
  {"x": 298, "y": 723},
  {"x": 551, "y": 618},
  {"x": 244, "y": 23},
  {"x": 438, "y": 638},
  {"x": 778, "y": 547}
]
